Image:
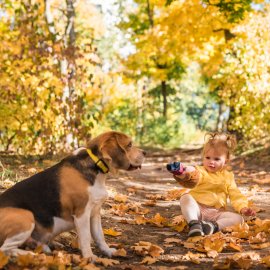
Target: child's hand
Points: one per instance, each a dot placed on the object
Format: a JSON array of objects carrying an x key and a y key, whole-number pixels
[{"x": 247, "y": 211}]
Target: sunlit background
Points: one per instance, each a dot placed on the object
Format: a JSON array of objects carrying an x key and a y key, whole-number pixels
[{"x": 163, "y": 71}]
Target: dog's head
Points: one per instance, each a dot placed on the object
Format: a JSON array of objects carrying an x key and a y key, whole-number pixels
[{"x": 118, "y": 151}]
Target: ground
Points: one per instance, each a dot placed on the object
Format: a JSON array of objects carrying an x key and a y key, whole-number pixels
[{"x": 138, "y": 204}]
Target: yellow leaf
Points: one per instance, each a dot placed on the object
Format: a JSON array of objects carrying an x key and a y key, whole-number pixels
[
  {"x": 174, "y": 194},
  {"x": 3, "y": 259},
  {"x": 235, "y": 246},
  {"x": 260, "y": 246},
  {"x": 155, "y": 251},
  {"x": 195, "y": 258},
  {"x": 266, "y": 260},
  {"x": 120, "y": 198},
  {"x": 242, "y": 261},
  {"x": 173, "y": 240},
  {"x": 178, "y": 220},
  {"x": 111, "y": 232},
  {"x": 120, "y": 252},
  {"x": 90, "y": 266},
  {"x": 216, "y": 245},
  {"x": 25, "y": 260},
  {"x": 150, "y": 203},
  {"x": 146, "y": 248},
  {"x": 106, "y": 262},
  {"x": 258, "y": 238},
  {"x": 179, "y": 228},
  {"x": 140, "y": 220},
  {"x": 158, "y": 220}
]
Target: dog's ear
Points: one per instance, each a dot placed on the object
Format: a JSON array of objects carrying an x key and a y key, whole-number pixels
[
  {"x": 114, "y": 154},
  {"x": 105, "y": 149}
]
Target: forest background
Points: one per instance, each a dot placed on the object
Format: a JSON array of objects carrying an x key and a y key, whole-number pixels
[{"x": 163, "y": 71}]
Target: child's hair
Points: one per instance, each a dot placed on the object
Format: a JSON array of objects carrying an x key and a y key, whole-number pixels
[{"x": 220, "y": 140}]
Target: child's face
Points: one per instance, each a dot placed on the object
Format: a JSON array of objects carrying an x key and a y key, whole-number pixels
[{"x": 214, "y": 160}]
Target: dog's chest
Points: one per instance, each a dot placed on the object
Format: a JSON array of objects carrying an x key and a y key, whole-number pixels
[{"x": 98, "y": 192}]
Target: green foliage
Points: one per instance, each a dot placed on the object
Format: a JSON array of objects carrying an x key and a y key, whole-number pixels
[{"x": 234, "y": 11}]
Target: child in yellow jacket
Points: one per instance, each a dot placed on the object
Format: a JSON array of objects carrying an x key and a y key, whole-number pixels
[{"x": 204, "y": 205}]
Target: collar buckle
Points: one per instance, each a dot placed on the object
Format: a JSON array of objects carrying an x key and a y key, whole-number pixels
[{"x": 99, "y": 163}]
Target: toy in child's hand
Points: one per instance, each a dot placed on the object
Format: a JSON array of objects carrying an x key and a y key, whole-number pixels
[{"x": 176, "y": 167}]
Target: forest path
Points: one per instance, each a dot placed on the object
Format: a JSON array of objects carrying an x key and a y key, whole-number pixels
[{"x": 136, "y": 197}]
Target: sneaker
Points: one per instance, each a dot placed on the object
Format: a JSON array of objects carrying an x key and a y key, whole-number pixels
[
  {"x": 209, "y": 227},
  {"x": 195, "y": 228}
]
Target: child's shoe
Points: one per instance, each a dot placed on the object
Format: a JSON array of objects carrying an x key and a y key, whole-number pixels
[
  {"x": 195, "y": 228},
  {"x": 209, "y": 227}
]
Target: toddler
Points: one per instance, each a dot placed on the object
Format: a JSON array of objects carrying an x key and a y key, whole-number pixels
[{"x": 211, "y": 184}]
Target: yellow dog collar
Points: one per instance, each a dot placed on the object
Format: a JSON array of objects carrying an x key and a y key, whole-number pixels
[{"x": 98, "y": 162}]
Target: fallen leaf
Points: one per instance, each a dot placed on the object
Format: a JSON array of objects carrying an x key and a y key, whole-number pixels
[
  {"x": 158, "y": 220},
  {"x": 171, "y": 258},
  {"x": 62, "y": 258},
  {"x": 179, "y": 267},
  {"x": 111, "y": 232},
  {"x": 258, "y": 238},
  {"x": 174, "y": 194},
  {"x": 266, "y": 260},
  {"x": 149, "y": 260},
  {"x": 178, "y": 220},
  {"x": 212, "y": 253},
  {"x": 235, "y": 246},
  {"x": 242, "y": 261},
  {"x": 90, "y": 266},
  {"x": 146, "y": 248},
  {"x": 32, "y": 170},
  {"x": 106, "y": 262},
  {"x": 262, "y": 181},
  {"x": 173, "y": 240},
  {"x": 120, "y": 253},
  {"x": 139, "y": 220},
  {"x": 120, "y": 198},
  {"x": 260, "y": 246},
  {"x": 25, "y": 260},
  {"x": 8, "y": 184},
  {"x": 154, "y": 197},
  {"x": 150, "y": 203},
  {"x": 3, "y": 259},
  {"x": 155, "y": 251},
  {"x": 195, "y": 258},
  {"x": 222, "y": 265},
  {"x": 216, "y": 245},
  {"x": 131, "y": 190}
]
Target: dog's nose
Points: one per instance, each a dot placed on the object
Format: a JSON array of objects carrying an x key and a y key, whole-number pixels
[{"x": 144, "y": 153}]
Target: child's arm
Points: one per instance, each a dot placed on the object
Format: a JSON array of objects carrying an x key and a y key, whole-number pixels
[
  {"x": 189, "y": 178},
  {"x": 238, "y": 200}
]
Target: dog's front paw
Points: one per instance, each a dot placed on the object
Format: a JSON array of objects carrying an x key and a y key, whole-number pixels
[{"x": 109, "y": 251}]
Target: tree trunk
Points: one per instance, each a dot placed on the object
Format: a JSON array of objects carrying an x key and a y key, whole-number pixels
[
  {"x": 164, "y": 96},
  {"x": 67, "y": 69}
]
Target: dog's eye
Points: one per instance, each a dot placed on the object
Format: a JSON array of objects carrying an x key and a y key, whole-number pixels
[{"x": 129, "y": 145}]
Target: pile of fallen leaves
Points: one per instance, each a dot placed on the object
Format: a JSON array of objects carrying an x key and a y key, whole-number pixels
[{"x": 58, "y": 260}]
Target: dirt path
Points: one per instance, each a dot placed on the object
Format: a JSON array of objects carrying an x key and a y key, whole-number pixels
[{"x": 153, "y": 181}]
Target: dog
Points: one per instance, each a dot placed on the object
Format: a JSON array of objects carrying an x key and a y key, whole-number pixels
[{"x": 67, "y": 196}]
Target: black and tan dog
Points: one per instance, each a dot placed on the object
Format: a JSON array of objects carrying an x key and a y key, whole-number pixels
[{"x": 66, "y": 196}]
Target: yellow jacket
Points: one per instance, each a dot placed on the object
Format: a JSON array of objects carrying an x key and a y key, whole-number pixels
[{"x": 213, "y": 189}]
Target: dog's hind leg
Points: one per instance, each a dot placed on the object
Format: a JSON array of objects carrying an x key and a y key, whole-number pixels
[{"x": 16, "y": 227}]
